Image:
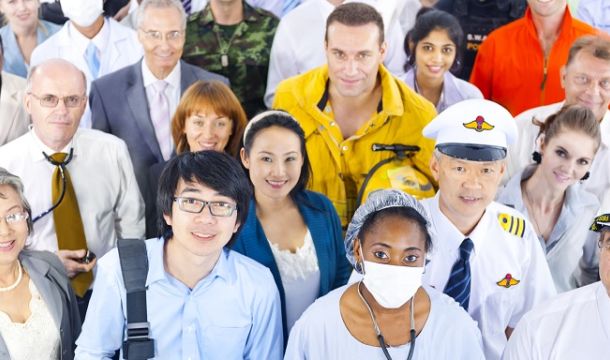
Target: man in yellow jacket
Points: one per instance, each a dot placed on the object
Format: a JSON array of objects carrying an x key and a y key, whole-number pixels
[{"x": 351, "y": 103}]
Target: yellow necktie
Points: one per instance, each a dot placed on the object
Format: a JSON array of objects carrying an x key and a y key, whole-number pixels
[{"x": 68, "y": 222}]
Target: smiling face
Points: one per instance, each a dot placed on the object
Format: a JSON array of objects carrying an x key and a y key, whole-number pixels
[
  {"x": 466, "y": 187},
  {"x": 201, "y": 234},
  {"x": 12, "y": 236},
  {"x": 206, "y": 130},
  {"x": 586, "y": 81},
  {"x": 544, "y": 8},
  {"x": 353, "y": 54},
  {"x": 161, "y": 55},
  {"x": 20, "y": 13},
  {"x": 434, "y": 55},
  {"x": 566, "y": 157},
  {"x": 274, "y": 162},
  {"x": 392, "y": 240}
]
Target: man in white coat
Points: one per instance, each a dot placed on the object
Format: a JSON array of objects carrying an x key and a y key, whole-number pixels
[{"x": 94, "y": 44}]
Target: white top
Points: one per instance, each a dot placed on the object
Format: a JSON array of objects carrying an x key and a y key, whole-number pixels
[
  {"x": 34, "y": 339},
  {"x": 574, "y": 325},
  {"x": 295, "y": 51},
  {"x": 118, "y": 47},
  {"x": 520, "y": 154},
  {"x": 102, "y": 176},
  {"x": 496, "y": 255},
  {"x": 321, "y": 334},
  {"x": 300, "y": 277}
]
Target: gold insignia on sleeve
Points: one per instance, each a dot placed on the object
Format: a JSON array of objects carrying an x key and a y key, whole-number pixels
[{"x": 512, "y": 224}]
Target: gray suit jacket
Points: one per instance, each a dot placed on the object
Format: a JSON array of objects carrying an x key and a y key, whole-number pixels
[
  {"x": 119, "y": 106},
  {"x": 48, "y": 274},
  {"x": 14, "y": 120}
]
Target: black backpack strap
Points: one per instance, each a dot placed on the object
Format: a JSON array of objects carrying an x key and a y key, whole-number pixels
[{"x": 134, "y": 267}]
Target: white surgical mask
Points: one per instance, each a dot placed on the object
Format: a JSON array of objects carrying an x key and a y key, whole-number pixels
[
  {"x": 392, "y": 285},
  {"x": 82, "y": 12}
]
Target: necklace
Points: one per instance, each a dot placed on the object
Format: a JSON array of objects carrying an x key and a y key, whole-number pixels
[
  {"x": 14, "y": 285},
  {"x": 380, "y": 337},
  {"x": 223, "y": 45}
]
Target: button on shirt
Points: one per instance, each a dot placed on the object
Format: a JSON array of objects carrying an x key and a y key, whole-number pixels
[
  {"x": 232, "y": 313},
  {"x": 574, "y": 325},
  {"x": 497, "y": 255}
]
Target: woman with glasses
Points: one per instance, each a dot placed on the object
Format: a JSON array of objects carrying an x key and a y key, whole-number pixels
[
  {"x": 294, "y": 232},
  {"x": 39, "y": 318},
  {"x": 547, "y": 191},
  {"x": 22, "y": 33},
  {"x": 388, "y": 314},
  {"x": 574, "y": 325}
]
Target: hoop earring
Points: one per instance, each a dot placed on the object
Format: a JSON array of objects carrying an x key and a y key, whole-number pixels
[{"x": 537, "y": 157}]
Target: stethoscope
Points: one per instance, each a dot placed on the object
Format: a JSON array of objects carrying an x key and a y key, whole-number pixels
[
  {"x": 380, "y": 337},
  {"x": 61, "y": 166}
]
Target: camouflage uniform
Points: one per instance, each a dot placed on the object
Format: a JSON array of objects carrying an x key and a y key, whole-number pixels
[{"x": 247, "y": 59}]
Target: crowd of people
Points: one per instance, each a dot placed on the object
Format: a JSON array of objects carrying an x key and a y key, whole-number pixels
[{"x": 304, "y": 179}]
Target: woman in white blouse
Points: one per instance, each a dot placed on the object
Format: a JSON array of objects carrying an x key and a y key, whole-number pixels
[
  {"x": 39, "y": 318},
  {"x": 294, "y": 232}
]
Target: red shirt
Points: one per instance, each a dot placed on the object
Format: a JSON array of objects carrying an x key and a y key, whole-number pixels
[{"x": 510, "y": 67}]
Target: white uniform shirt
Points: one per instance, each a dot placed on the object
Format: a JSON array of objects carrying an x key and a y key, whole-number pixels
[
  {"x": 321, "y": 334},
  {"x": 298, "y": 45},
  {"x": 496, "y": 255},
  {"x": 102, "y": 176},
  {"x": 520, "y": 154},
  {"x": 574, "y": 325}
]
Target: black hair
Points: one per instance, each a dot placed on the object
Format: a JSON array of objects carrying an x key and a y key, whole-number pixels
[
  {"x": 404, "y": 212},
  {"x": 285, "y": 121},
  {"x": 428, "y": 20},
  {"x": 214, "y": 169}
]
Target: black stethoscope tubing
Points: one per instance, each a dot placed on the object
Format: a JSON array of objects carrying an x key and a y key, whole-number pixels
[{"x": 61, "y": 166}]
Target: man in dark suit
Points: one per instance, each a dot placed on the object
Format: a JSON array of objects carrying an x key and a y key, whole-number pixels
[{"x": 136, "y": 103}]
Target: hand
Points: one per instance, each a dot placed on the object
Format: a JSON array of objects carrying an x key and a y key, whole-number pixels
[{"x": 71, "y": 260}]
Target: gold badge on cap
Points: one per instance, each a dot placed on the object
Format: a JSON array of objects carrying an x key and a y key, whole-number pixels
[
  {"x": 600, "y": 222},
  {"x": 507, "y": 281},
  {"x": 512, "y": 224},
  {"x": 479, "y": 124}
]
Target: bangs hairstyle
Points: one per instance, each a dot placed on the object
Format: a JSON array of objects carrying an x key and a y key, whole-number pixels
[
  {"x": 402, "y": 212},
  {"x": 285, "y": 121},
  {"x": 573, "y": 118},
  {"x": 214, "y": 96},
  {"x": 216, "y": 170},
  {"x": 428, "y": 20},
  {"x": 355, "y": 14}
]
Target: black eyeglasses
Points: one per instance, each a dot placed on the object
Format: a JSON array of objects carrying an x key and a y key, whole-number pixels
[
  {"x": 195, "y": 206},
  {"x": 51, "y": 101}
]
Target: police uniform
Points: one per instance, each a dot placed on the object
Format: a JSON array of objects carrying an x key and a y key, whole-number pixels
[
  {"x": 509, "y": 273},
  {"x": 575, "y": 325}
]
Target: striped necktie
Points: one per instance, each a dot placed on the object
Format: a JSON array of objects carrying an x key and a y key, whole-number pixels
[
  {"x": 458, "y": 286},
  {"x": 68, "y": 222},
  {"x": 289, "y": 5},
  {"x": 187, "y": 6}
]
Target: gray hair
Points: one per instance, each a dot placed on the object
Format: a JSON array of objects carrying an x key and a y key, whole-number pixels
[
  {"x": 160, "y": 4},
  {"x": 377, "y": 201},
  {"x": 9, "y": 179}
]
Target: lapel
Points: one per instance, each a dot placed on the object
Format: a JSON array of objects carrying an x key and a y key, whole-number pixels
[
  {"x": 187, "y": 77},
  {"x": 140, "y": 112},
  {"x": 38, "y": 271},
  {"x": 316, "y": 223},
  {"x": 116, "y": 39}
]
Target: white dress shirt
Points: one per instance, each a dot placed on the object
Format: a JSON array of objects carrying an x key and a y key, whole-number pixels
[
  {"x": 520, "y": 154},
  {"x": 102, "y": 176},
  {"x": 295, "y": 51},
  {"x": 574, "y": 325},
  {"x": 496, "y": 255}
]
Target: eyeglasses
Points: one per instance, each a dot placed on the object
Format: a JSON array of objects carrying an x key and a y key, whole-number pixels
[
  {"x": 195, "y": 206},
  {"x": 158, "y": 35},
  {"x": 51, "y": 101},
  {"x": 15, "y": 218}
]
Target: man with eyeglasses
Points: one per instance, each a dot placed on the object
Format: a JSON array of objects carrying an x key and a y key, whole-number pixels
[
  {"x": 93, "y": 43},
  {"x": 574, "y": 325},
  {"x": 137, "y": 102},
  {"x": 203, "y": 300},
  {"x": 80, "y": 182}
]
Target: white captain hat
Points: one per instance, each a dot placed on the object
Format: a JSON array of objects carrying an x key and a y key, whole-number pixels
[{"x": 475, "y": 129}]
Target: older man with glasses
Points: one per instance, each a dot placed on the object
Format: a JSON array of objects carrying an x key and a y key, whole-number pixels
[{"x": 79, "y": 181}]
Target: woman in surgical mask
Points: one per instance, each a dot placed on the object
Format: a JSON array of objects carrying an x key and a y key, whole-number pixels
[{"x": 388, "y": 314}]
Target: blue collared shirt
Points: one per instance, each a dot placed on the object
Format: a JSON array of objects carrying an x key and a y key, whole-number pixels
[
  {"x": 595, "y": 13},
  {"x": 14, "y": 62},
  {"x": 233, "y": 313}
]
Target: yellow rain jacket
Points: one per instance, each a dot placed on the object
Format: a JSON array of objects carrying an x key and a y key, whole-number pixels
[{"x": 340, "y": 165}]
